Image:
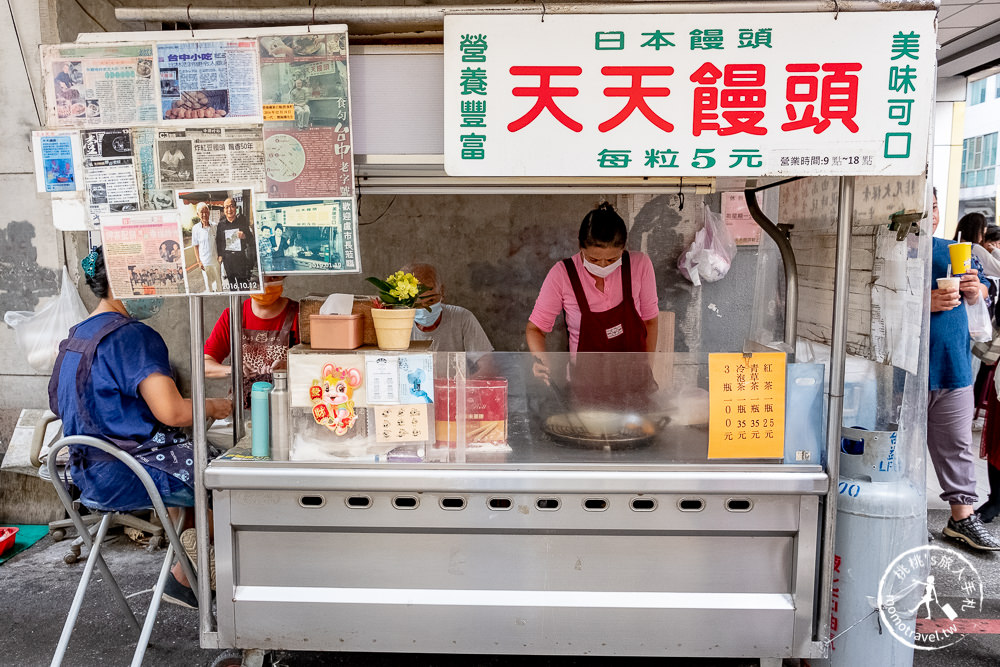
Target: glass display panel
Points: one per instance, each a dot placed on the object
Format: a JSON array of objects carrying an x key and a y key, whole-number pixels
[{"x": 512, "y": 409}]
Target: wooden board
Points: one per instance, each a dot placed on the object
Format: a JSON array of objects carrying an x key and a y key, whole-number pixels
[{"x": 663, "y": 366}]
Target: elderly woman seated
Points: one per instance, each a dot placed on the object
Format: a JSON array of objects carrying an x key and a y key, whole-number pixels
[{"x": 112, "y": 380}]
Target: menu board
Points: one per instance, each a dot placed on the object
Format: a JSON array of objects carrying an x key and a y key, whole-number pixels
[{"x": 746, "y": 405}]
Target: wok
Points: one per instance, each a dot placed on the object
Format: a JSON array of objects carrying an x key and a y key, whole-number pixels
[{"x": 602, "y": 429}]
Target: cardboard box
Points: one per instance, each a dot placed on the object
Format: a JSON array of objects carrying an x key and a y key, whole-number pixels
[{"x": 310, "y": 305}]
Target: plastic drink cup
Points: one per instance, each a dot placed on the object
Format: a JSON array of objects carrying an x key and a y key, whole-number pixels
[
  {"x": 961, "y": 258},
  {"x": 952, "y": 283}
]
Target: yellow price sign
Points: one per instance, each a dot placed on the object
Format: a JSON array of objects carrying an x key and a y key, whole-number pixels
[
  {"x": 279, "y": 112},
  {"x": 746, "y": 405}
]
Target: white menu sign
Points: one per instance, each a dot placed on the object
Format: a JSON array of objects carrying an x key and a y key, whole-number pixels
[{"x": 689, "y": 95}]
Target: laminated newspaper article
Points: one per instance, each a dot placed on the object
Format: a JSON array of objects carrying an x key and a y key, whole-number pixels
[
  {"x": 58, "y": 157},
  {"x": 144, "y": 254},
  {"x": 220, "y": 239},
  {"x": 306, "y": 110},
  {"x": 316, "y": 236},
  {"x": 110, "y": 85},
  {"x": 199, "y": 157},
  {"x": 151, "y": 197},
  {"x": 110, "y": 172},
  {"x": 209, "y": 80}
]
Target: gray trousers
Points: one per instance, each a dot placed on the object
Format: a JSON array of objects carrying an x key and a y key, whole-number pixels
[{"x": 949, "y": 442}]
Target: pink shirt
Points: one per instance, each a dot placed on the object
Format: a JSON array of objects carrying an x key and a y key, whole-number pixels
[{"x": 557, "y": 295}]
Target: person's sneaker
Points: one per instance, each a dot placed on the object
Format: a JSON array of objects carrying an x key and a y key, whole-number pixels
[
  {"x": 189, "y": 540},
  {"x": 971, "y": 531},
  {"x": 177, "y": 593}
]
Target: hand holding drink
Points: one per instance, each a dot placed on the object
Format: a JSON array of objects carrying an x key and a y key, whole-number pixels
[
  {"x": 961, "y": 258},
  {"x": 970, "y": 286},
  {"x": 947, "y": 295}
]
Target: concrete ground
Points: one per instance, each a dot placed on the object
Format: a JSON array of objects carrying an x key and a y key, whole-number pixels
[{"x": 36, "y": 588}]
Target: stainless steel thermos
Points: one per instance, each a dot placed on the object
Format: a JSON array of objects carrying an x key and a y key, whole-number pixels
[{"x": 279, "y": 417}]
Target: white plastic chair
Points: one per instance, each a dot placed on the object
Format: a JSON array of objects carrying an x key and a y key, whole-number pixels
[{"x": 94, "y": 543}]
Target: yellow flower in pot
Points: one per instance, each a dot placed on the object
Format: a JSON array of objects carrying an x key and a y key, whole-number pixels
[{"x": 394, "y": 308}]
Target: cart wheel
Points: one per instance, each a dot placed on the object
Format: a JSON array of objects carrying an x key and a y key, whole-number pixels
[
  {"x": 155, "y": 542},
  {"x": 229, "y": 658},
  {"x": 71, "y": 557},
  {"x": 58, "y": 535}
]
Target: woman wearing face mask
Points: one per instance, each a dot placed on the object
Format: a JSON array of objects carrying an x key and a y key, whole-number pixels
[
  {"x": 270, "y": 327},
  {"x": 607, "y": 293},
  {"x": 112, "y": 380}
]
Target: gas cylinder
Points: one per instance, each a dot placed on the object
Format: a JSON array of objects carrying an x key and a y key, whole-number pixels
[{"x": 880, "y": 515}]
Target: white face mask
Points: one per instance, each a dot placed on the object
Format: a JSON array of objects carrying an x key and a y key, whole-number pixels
[
  {"x": 425, "y": 318},
  {"x": 601, "y": 271}
]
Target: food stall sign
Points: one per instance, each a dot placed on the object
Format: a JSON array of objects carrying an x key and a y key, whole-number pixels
[
  {"x": 688, "y": 95},
  {"x": 746, "y": 405}
]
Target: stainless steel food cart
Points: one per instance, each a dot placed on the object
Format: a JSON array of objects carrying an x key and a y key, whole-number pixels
[
  {"x": 546, "y": 549},
  {"x": 654, "y": 550}
]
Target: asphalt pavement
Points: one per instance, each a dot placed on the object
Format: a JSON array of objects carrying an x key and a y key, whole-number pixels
[{"x": 36, "y": 588}]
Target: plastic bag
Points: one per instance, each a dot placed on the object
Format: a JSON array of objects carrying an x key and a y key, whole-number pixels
[
  {"x": 710, "y": 255},
  {"x": 980, "y": 327},
  {"x": 39, "y": 334}
]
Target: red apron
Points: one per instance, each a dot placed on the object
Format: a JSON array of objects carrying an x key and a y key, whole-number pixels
[{"x": 615, "y": 380}]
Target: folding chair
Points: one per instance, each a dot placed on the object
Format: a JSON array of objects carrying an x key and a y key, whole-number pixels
[
  {"x": 38, "y": 454},
  {"x": 94, "y": 543}
]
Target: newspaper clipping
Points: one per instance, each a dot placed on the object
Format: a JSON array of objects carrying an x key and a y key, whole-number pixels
[
  {"x": 318, "y": 236},
  {"x": 110, "y": 172},
  {"x": 306, "y": 111},
  {"x": 95, "y": 86},
  {"x": 143, "y": 253},
  {"x": 209, "y": 80},
  {"x": 206, "y": 156},
  {"x": 58, "y": 156},
  {"x": 151, "y": 198},
  {"x": 219, "y": 237}
]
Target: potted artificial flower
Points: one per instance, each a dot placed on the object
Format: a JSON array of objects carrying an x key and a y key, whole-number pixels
[{"x": 394, "y": 308}]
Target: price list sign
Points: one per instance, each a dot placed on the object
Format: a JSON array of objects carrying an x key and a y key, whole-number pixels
[{"x": 746, "y": 405}]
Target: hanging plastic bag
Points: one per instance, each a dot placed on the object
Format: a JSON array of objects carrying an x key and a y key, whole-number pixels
[
  {"x": 980, "y": 327},
  {"x": 39, "y": 334},
  {"x": 710, "y": 255}
]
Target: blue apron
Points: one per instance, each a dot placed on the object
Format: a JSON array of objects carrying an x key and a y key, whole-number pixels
[{"x": 108, "y": 482}]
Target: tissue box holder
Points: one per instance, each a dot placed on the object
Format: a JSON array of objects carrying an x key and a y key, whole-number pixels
[{"x": 336, "y": 332}]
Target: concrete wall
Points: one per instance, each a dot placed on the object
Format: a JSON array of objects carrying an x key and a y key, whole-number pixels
[
  {"x": 29, "y": 245},
  {"x": 493, "y": 253}
]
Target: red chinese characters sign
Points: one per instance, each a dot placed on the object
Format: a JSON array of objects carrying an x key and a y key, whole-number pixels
[{"x": 683, "y": 95}]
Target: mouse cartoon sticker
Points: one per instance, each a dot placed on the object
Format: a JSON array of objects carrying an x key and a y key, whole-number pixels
[{"x": 332, "y": 397}]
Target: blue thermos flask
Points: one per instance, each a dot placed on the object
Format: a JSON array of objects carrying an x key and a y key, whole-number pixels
[{"x": 260, "y": 413}]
